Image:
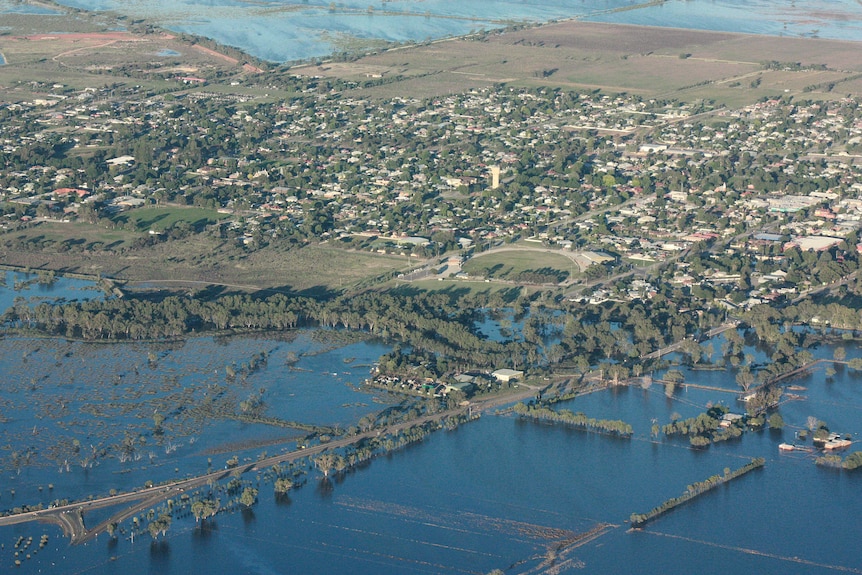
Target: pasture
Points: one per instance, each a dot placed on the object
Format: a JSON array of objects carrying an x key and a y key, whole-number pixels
[
  {"x": 88, "y": 53},
  {"x": 687, "y": 65}
]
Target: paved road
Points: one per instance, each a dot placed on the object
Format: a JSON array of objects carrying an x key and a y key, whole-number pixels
[
  {"x": 70, "y": 517},
  {"x": 676, "y": 345}
]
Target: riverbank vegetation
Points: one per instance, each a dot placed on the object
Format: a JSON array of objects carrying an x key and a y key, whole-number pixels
[
  {"x": 578, "y": 420},
  {"x": 852, "y": 461},
  {"x": 694, "y": 490},
  {"x": 309, "y": 186}
]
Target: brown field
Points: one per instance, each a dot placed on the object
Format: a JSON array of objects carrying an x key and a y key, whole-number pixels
[
  {"x": 198, "y": 258},
  {"x": 849, "y": 87},
  {"x": 104, "y": 50},
  {"x": 656, "y": 62},
  {"x": 91, "y": 59}
]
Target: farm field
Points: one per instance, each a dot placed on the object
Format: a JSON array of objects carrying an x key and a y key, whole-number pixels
[
  {"x": 85, "y": 50},
  {"x": 654, "y": 62}
]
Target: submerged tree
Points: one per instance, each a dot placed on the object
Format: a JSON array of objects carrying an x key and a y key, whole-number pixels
[
  {"x": 248, "y": 497},
  {"x": 283, "y": 485},
  {"x": 204, "y": 508},
  {"x": 775, "y": 421},
  {"x": 160, "y": 525},
  {"x": 325, "y": 462},
  {"x": 745, "y": 378}
]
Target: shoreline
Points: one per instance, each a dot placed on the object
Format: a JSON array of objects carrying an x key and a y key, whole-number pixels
[
  {"x": 217, "y": 45},
  {"x": 577, "y": 21}
]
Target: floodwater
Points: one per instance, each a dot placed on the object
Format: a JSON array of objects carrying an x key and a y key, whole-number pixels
[
  {"x": 284, "y": 31},
  {"x": 15, "y": 285},
  {"x": 498, "y": 493},
  {"x": 70, "y": 406},
  {"x": 834, "y": 19},
  {"x": 9, "y": 7}
]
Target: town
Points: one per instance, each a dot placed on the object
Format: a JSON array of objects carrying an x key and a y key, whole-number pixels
[
  {"x": 732, "y": 205},
  {"x": 553, "y": 281}
]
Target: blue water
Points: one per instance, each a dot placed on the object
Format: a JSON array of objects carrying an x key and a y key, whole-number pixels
[
  {"x": 477, "y": 499},
  {"x": 56, "y": 392},
  {"x": 493, "y": 494},
  {"x": 62, "y": 289},
  {"x": 835, "y": 19},
  {"x": 282, "y": 31},
  {"x": 7, "y": 7}
]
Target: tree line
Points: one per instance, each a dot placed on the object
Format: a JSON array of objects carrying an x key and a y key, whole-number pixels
[
  {"x": 579, "y": 420},
  {"x": 694, "y": 490}
]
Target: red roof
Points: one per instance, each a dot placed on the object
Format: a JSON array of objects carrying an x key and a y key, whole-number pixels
[{"x": 65, "y": 191}]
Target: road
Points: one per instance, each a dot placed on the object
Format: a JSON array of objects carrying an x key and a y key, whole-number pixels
[
  {"x": 676, "y": 345},
  {"x": 807, "y": 294},
  {"x": 70, "y": 517}
]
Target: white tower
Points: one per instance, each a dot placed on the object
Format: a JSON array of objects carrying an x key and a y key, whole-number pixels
[{"x": 495, "y": 177}]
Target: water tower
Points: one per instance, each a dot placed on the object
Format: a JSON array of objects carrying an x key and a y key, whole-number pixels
[{"x": 495, "y": 177}]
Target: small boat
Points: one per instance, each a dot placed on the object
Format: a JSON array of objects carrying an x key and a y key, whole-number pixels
[{"x": 786, "y": 447}]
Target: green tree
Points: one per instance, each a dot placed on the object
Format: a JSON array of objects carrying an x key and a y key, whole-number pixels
[
  {"x": 775, "y": 421},
  {"x": 744, "y": 378},
  {"x": 204, "y": 508},
  {"x": 283, "y": 485},
  {"x": 325, "y": 462},
  {"x": 160, "y": 525},
  {"x": 248, "y": 497}
]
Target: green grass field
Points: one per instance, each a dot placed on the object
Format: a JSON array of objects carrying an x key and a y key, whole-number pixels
[
  {"x": 509, "y": 264},
  {"x": 160, "y": 219}
]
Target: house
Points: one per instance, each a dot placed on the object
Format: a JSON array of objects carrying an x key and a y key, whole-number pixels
[
  {"x": 729, "y": 419},
  {"x": 120, "y": 161},
  {"x": 813, "y": 243},
  {"x": 507, "y": 375},
  {"x": 647, "y": 148},
  {"x": 71, "y": 191},
  {"x": 465, "y": 387},
  {"x": 834, "y": 441}
]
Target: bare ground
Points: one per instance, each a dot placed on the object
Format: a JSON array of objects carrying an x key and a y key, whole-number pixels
[
  {"x": 203, "y": 259},
  {"x": 660, "y": 62}
]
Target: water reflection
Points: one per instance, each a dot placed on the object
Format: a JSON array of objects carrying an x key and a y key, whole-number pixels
[
  {"x": 160, "y": 553},
  {"x": 248, "y": 516},
  {"x": 283, "y": 500},
  {"x": 205, "y": 529},
  {"x": 324, "y": 489}
]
